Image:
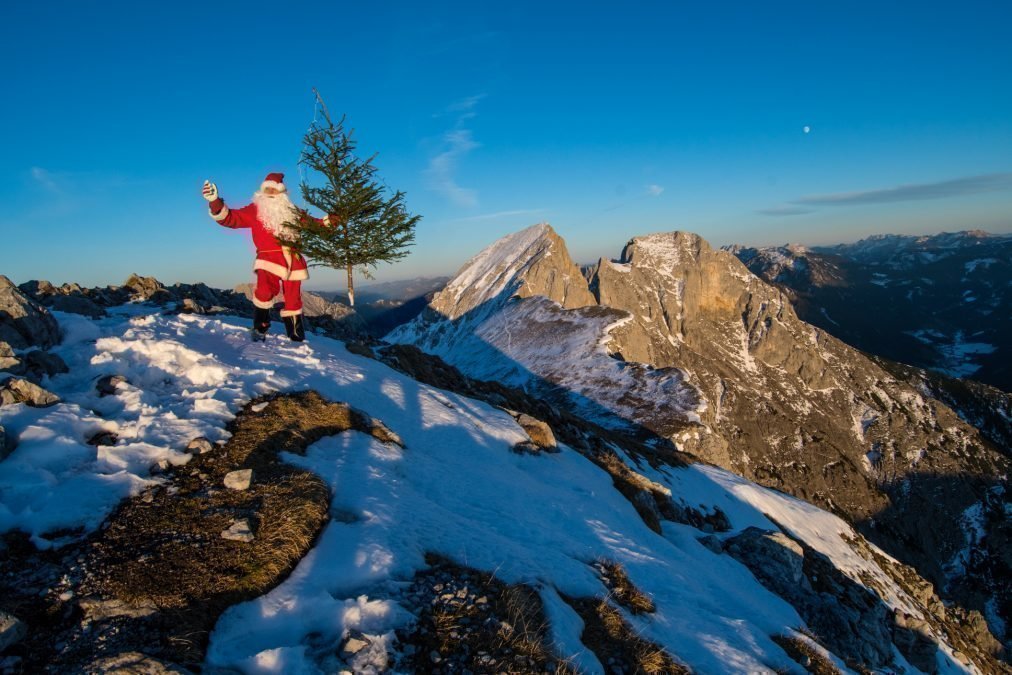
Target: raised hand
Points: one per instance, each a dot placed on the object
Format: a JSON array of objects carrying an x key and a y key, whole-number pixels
[{"x": 210, "y": 191}]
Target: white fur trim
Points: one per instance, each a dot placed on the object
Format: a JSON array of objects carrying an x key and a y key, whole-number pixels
[
  {"x": 263, "y": 305},
  {"x": 280, "y": 187},
  {"x": 291, "y": 312},
  {"x": 298, "y": 275},
  {"x": 221, "y": 215},
  {"x": 273, "y": 268}
]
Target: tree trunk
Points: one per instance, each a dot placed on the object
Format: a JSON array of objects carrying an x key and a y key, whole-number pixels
[{"x": 351, "y": 289}]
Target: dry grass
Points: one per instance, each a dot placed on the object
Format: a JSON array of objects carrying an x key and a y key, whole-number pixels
[
  {"x": 165, "y": 549},
  {"x": 508, "y": 633},
  {"x": 622, "y": 590},
  {"x": 612, "y": 640},
  {"x": 802, "y": 652}
]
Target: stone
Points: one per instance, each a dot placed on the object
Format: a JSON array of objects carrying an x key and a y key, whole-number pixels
[
  {"x": 8, "y": 359},
  {"x": 98, "y": 609},
  {"x": 7, "y": 443},
  {"x": 354, "y": 646},
  {"x": 239, "y": 479},
  {"x": 539, "y": 432},
  {"x": 190, "y": 306},
  {"x": 108, "y": 384},
  {"x": 18, "y": 390},
  {"x": 199, "y": 446},
  {"x": 143, "y": 288},
  {"x": 23, "y": 322},
  {"x": 45, "y": 363},
  {"x": 76, "y": 304},
  {"x": 239, "y": 530},
  {"x": 103, "y": 438},
  {"x": 12, "y": 630},
  {"x": 135, "y": 663},
  {"x": 711, "y": 542}
]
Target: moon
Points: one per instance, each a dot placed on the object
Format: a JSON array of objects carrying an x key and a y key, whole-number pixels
[{"x": 806, "y": 128}]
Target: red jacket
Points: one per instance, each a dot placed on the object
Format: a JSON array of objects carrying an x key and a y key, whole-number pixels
[{"x": 271, "y": 255}]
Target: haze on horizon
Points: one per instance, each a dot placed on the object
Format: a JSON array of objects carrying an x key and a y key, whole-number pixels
[{"x": 752, "y": 124}]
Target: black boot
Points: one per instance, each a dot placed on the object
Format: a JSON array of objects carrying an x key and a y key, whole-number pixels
[
  {"x": 295, "y": 327},
  {"x": 261, "y": 324}
]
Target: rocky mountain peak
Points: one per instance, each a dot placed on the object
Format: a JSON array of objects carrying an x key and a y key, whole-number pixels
[{"x": 527, "y": 263}]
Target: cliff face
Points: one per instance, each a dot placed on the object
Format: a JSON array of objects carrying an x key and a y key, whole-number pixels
[{"x": 688, "y": 344}]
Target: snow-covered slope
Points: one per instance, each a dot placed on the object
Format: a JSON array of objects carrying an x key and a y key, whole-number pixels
[{"x": 454, "y": 489}]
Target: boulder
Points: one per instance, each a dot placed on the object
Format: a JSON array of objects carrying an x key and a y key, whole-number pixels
[
  {"x": 12, "y": 630},
  {"x": 42, "y": 363},
  {"x": 238, "y": 480},
  {"x": 143, "y": 288},
  {"x": 108, "y": 384},
  {"x": 135, "y": 663},
  {"x": 37, "y": 289},
  {"x": 852, "y": 621},
  {"x": 239, "y": 530},
  {"x": 8, "y": 360},
  {"x": 199, "y": 446},
  {"x": 23, "y": 322},
  {"x": 7, "y": 444},
  {"x": 18, "y": 390},
  {"x": 76, "y": 304},
  {"x": 539, "y": 432}
]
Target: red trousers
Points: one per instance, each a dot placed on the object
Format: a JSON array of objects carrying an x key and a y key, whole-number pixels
[{"x": 267, "y": 288}]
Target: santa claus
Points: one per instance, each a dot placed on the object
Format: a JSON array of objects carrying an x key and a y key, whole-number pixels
[{"x": 277, "y": 267}]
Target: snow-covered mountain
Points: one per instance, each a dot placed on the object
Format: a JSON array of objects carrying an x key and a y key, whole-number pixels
[
  {"x": 455, "y": 533},
  {"x": 686, "y": 343},
  {"x": 939, "y": 302}
]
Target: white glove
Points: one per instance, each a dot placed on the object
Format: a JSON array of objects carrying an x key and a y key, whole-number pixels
[
  {"x": 326, "y": 220},
  {"x": 210, "y": 191}
]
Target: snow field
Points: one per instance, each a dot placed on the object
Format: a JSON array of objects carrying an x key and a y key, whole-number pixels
[{"x": 455, "y": 489}]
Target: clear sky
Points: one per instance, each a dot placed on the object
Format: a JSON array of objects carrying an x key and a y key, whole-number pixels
[{"x": 605, "y": 119}]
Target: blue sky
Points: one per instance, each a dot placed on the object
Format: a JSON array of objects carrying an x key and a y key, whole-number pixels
[{"x": 607, "y": 120}]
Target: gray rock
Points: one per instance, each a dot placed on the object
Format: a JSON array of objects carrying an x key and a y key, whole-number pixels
[
  {"x": 8, "y": 359},
  {"x": 98, "y": 609},
  {"x": 45, "y": 363},
  {"x": 239, "y": 530},
  {"x": 18, "y": 390},
  {"x": 711, "y": 542},
  {"x": 539, "y": 432},
  {"x": 851, "y": 620},
  {"x": 199, "y": 446},
  {"x": 239, "y": 479},
  {"x": 23, "y": 322},
  {"x": 7, "y": 443},
  {"x": 108, "y": 384},
  {"x": 76, "y": 304},
  {"x": 912, "y": 637},
  {"x": 354, "y": 646},
  {"x": 12, "y": 630},
  {"x": 135, "y": 663}
]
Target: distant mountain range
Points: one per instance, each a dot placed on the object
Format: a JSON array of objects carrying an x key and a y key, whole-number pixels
[{"x": 940, "y": 302}]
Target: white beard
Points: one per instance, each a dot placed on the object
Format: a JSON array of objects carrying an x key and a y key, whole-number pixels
[{"x": 274, "y": 211}]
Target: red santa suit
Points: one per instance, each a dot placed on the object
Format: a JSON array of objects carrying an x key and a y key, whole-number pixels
[{"x": 277, "y": 267}]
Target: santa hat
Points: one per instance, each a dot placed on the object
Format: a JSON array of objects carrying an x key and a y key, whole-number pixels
[{"x": 274, "y": 180}]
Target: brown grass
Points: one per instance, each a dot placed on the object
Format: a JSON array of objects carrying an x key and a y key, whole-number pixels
[
  {"x": 622, "y": 589},
  {"x": 608, "y": 635},
  {"x": 164, "y": 549},
  {"x": 802, "y": 652},
  {"x": 510, "y": 627}
]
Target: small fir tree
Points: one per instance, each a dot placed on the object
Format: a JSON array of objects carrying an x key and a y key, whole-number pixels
[{"x": 366, "y": 225}]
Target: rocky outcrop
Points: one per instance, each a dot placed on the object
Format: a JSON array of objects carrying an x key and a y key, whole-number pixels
[
  {"x": 687, "y": 344},
  {"x": 330, "y": 318},
  {"x": 17, "y": 390},
  {"x": 23, "y": 323}
]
